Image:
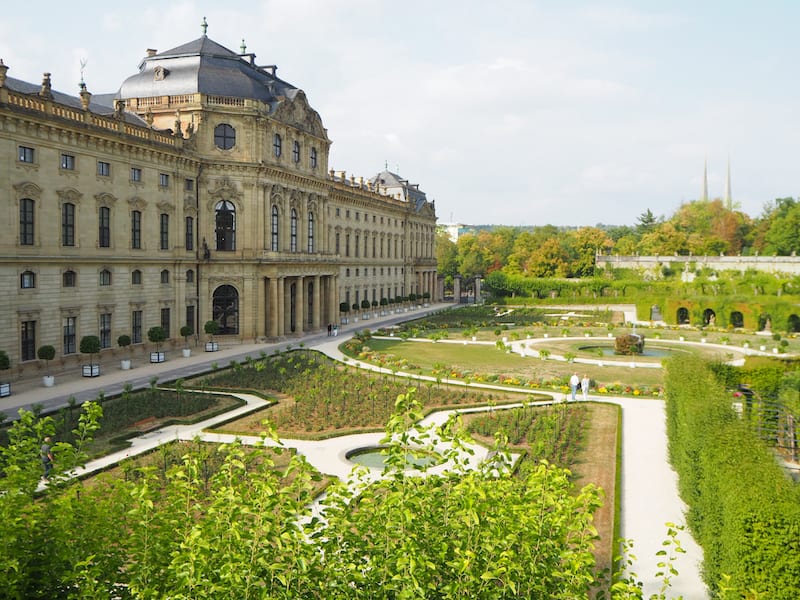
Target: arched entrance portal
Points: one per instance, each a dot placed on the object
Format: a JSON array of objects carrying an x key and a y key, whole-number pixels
[
  {"x": 225, "y": 309},
  {"x": 737, "y": 319},
  {"x": 709, "y": 317},
  {"x": 683, "y": 316},
  {"x": 794, "y": 324}
]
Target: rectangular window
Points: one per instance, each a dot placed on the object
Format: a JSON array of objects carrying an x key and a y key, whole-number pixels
[
  {"x": 26, "y": 222},
  {"x": 28, "y": 339},
  {"x": 189, "y": 235},
  {"x": 25, "y": 154},
  {"x": 190, "y": 316},
  {"x": 337, "y": 242},
  {"x": 165, "y": 320},
  {"x": 136, "y": 229},
  {"x": 163, "y": 180},
  {"x": 103, "y": 168},
  {"x": 105, "y": 277},
  {"x": 68, "y": 279},
  {"x": 347, "y": 245},
  {"x": 68, "y": 162},
  {"x": 164, "y": 232},
  {"x": 356, "y": 246},
  {"x": 136, "y": 174},
  {"x": 105, "y": 330},
  {"x": 67, "y": 224},
  {"x": 70, "y": 327},
  {"x": 104, "y": 227},
  {"x": 188, "y": 185},
  {"x": 338, "y": 211},
  {"x": 136, "y": 327},
  {"x": 27, "y": 280}
]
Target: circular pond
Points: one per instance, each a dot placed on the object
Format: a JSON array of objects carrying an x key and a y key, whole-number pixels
[
  {"x": 649, "y": 352},
  {"x": 374, "y": 458}
]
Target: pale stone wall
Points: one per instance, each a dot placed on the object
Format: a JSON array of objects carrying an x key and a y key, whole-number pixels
[
  {"x": 283, "y": 291},
  {"x": 770, "y": 264}
]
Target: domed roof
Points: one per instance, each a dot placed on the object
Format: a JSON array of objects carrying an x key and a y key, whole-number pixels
[{"x": 206, "y": 67}]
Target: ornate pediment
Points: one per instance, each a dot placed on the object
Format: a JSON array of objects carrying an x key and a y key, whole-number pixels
[
  {"x": 224, "y": 189},
  {"x": 28, "y": 189},
  {"x": 69, "y": 195},
  {"x": 137, "y": 203},
  {"x": 105, "y": 199},
  {"x": 299, "y": 114}
]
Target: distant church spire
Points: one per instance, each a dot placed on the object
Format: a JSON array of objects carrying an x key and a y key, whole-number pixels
[
  {"x": 728, "y": 199},
  {"x": 705, "y": 181}
]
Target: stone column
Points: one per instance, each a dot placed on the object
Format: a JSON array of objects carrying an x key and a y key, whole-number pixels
[
  {"x": 280, "y": 307},
  {"x": 317, "y": 306},
  {"x": 300, "y": 306}
]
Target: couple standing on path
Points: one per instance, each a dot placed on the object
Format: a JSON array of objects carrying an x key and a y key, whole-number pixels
[{"x": 574, "y": 382}]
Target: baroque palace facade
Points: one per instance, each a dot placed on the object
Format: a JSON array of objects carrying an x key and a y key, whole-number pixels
[{"x": 199, "y": 191}]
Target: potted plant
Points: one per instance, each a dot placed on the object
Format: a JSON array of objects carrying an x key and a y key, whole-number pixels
[
  {"x": 124, "y": 341},
  {"x": 157, "y": 335},
  {"x": 47, "y": 353},
  {"x": 90, "y": 344},
  {"x": 211, "y": 328},
  {"x": 344, "y": 308},
  {"x": 355, "y": 310},
  {"x": 5, "y": 364},
  {"x": 426, "y": 296},
  {"x": 365, "y": 307},
  {"x": 384, "y": 304},
  {"x": 186, "y": 331}
]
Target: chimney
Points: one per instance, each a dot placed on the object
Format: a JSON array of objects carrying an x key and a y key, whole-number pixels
[{"x": 151, "y": 52}]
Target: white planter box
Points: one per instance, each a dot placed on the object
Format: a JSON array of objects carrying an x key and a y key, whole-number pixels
[
  {"x": 125, "y": 364},
  {"x": 157, "y": 357},
  {"x": 90, "y": 370},
  {"x": 5, "y": 390},
  {"x": 212, "y": 346},
  {"x": 48, "y": 380},
  {"x": 187, "y": 352}
]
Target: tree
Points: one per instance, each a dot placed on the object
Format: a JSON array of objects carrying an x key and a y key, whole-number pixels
[
  {"x": 646, "y": 222},
  {"x": 446, "y": 257},
  {"x": 90, "y": 344},
  {"x": 186, "y": 331},
  {"x": 211, "y": 328},
  {"x": 156, "y": 335},
  {"x": 46, "y": 353}
]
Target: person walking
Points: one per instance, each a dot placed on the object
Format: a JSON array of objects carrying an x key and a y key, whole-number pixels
[
  {"x": 330, "y": 329},
  {"x": 46, "y": 454},
  {"x": 585, "y": 387},
  {"x": 574, "y": 382}
]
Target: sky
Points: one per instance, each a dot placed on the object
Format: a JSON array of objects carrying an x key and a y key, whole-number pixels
[{"x": 512, "y": 112}]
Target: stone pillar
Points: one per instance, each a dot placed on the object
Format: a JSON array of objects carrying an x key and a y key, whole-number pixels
[
  {"x": 300, "y": 306},
  {"x": 477, "y": 290},
  {"x": 457, "y": 289},
  {"x": 272, "y": 307},
  {"x": 317, "y": 305},
  {"x": 280, "y": 307}
]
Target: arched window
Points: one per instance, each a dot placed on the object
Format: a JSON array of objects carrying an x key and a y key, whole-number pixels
[
  {"x": 164, "y": 276},
  {"x": 225, "y": 222},
  {"x": 277, "y": 145},
  {"x": 225, "y": 309},
  {"x": 105, "y": 277},
  {"x": 293, "y": 232},
  {"x": 311, "y": 232},
  {"x": 189, "y": 276},
  {"x": 274, "y": 229},
  {"x": 104, "y": 227},
  {"x": 136, "y": 277},
  {"x": 27, "y": 280},
  {"x": 26, "y": 222}
]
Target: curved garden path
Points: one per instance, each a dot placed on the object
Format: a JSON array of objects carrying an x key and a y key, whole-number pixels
[{"x": 648, "y": 492}]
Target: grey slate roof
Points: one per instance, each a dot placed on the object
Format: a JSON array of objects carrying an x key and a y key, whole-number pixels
[
  {"x": 101, "y": 104},
  {"x": 207, "y": 67},
  {"x": 394, "y": 183}
]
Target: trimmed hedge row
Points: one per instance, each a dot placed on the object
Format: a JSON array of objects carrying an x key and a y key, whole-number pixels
[{"x": 743, "y": 509}]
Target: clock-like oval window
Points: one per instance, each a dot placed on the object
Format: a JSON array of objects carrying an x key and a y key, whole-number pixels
[{"x": 224, "y": 136}]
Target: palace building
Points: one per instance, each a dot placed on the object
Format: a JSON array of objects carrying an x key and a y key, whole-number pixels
[{"x": 200, "y": 191}]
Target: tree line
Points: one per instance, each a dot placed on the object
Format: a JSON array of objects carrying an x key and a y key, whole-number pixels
[{"x": 701, "y": 227}]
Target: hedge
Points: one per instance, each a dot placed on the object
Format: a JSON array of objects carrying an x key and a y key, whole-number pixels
[{"x": 742, "y": 508}]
